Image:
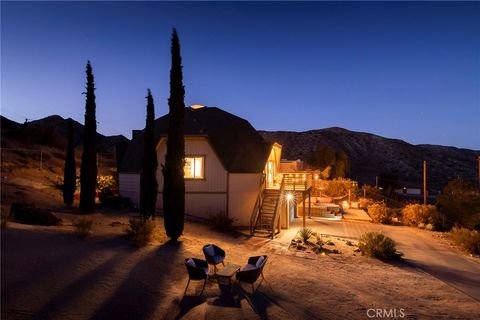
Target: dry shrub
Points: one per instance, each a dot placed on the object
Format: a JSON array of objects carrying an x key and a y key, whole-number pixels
[
  {"x": 377, "y": 245},
  {"x": 30, "y": 214},
  {"x": 416, "y": 214},
  {"x": 363, "y": 203},
  {"x": 220, "y": 222},
  {"x": 467, "y": 239},
  {"x": 378, "y": 213},
  {"x": 83, "y": 227},
  {"x": 140, "y": 231}
]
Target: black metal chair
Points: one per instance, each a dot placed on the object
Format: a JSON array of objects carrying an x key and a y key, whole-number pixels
[
  {"x": 197, "y": 270},
  {"x": 214, "y": 255},
  {"x": 250, "y": 272}
]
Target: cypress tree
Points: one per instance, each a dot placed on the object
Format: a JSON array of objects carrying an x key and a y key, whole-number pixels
[
  {"x": 69, "y": 173},
  {"x": 174, "y": 183},
  {"x": 148, "y": 177},
  {"x": 88, "y": 170}
]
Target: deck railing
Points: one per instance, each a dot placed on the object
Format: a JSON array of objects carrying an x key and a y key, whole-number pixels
[{"x": 298, "y": 181}]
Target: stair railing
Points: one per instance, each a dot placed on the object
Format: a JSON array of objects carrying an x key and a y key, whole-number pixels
[
  {"x": 258, "y": 205},
  {"x": 278, "y": 205}
]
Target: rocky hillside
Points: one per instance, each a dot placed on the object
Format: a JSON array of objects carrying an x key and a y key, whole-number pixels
[
  {"x": 371, "y": 155},
  {"x": 32, "y": 159},
  {"x": 53, "y": 130}
]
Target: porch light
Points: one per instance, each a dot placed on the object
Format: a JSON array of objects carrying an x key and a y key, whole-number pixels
[
  {"x": 316, "y": 177},
  {"x": 289, "y": 197}
]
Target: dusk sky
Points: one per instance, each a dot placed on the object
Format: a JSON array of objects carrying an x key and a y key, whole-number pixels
[{"x": 400, "y": 70}]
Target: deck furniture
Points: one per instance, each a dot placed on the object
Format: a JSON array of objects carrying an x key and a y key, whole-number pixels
[
  {"x": 197, "y": 270},
  {"x": 250, "y": 272},
  {"x": 214, "y": 255}
]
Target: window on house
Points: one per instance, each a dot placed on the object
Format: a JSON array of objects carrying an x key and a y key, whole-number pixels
[{"x": 194, "y": 167}]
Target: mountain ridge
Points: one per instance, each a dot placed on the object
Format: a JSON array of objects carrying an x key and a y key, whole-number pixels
[{"x": 370, "y": 155}]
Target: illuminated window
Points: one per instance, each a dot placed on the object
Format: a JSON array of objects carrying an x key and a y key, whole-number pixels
[{"x": 194, "y": 167}]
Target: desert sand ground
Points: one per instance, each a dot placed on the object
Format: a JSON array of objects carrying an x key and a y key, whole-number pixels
[{"x": 49, "y": 273}]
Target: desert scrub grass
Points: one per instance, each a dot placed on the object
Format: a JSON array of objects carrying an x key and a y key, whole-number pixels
[
  {"x": 83, "y": 227},
  {"x": 305, "y": 234},
  {"x": 377, "y": 245},
  {"x": 140, "y": 231},
  {"x": 469, "y": 240},
  {"x": 220, "y": 222}
]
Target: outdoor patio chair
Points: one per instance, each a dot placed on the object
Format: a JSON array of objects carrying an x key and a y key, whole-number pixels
[
  {"x": 214, "y": 255},
  {"x": 250, "y": 272},
  {"x": 197, "y": 270}
]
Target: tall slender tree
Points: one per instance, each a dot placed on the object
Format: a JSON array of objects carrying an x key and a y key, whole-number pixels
[
  {"x": 70, "y": 171},
  {"x": 88, "y": 170},
  {"x": 174, "y": 183},
  {"x": 148, "y": 177}
]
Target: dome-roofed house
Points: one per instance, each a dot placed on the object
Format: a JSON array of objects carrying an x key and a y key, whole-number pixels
[{"x": 228, "y": 165}]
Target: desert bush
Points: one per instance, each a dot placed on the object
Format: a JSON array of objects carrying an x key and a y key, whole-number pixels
[
  {"x": 140, "y": 231},
  {"x": 467, "y": 239},
  {"x": 459, "y": 203},
  {"x": 415, "y": 214},
  {"x": 377, "y": 245},
  {"x": 220, "y": 221},
  {"x": 83, "y": 227},
  {"x": 30, "y": 214},
  {"x": 305, "y": 234},
  {"x": 378, "y": 213},
  {"x": 105, "y": 182},
  {"x": 338, "y": 187},
  {"x": 363, "y": 203}
]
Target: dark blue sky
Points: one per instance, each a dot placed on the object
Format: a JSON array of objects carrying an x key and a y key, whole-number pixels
[{"x": 401, "y": 70}]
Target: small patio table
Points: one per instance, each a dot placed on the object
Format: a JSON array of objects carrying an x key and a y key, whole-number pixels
[{"x": 224, "y": 276}]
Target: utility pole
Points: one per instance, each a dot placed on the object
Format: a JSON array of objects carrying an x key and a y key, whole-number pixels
[
  {"x": 425, "y": 183},
  {"x": 376, "y": 182}
]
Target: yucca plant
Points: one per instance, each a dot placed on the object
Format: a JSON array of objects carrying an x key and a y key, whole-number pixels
[{"x": 305, "y": 234}]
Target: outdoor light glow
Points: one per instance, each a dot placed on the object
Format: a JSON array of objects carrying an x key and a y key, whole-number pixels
[
  {"x": 316, "y": 177},
  {"x": 289, "y": 197}
]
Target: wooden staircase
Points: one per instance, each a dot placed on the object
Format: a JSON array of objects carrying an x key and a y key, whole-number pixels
[
  {"x": 266, "y": 213},
  {"x": 267, "y": 210}
]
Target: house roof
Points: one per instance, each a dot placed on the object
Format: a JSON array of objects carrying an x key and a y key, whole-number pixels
[{"x": 239, "y": 146}]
